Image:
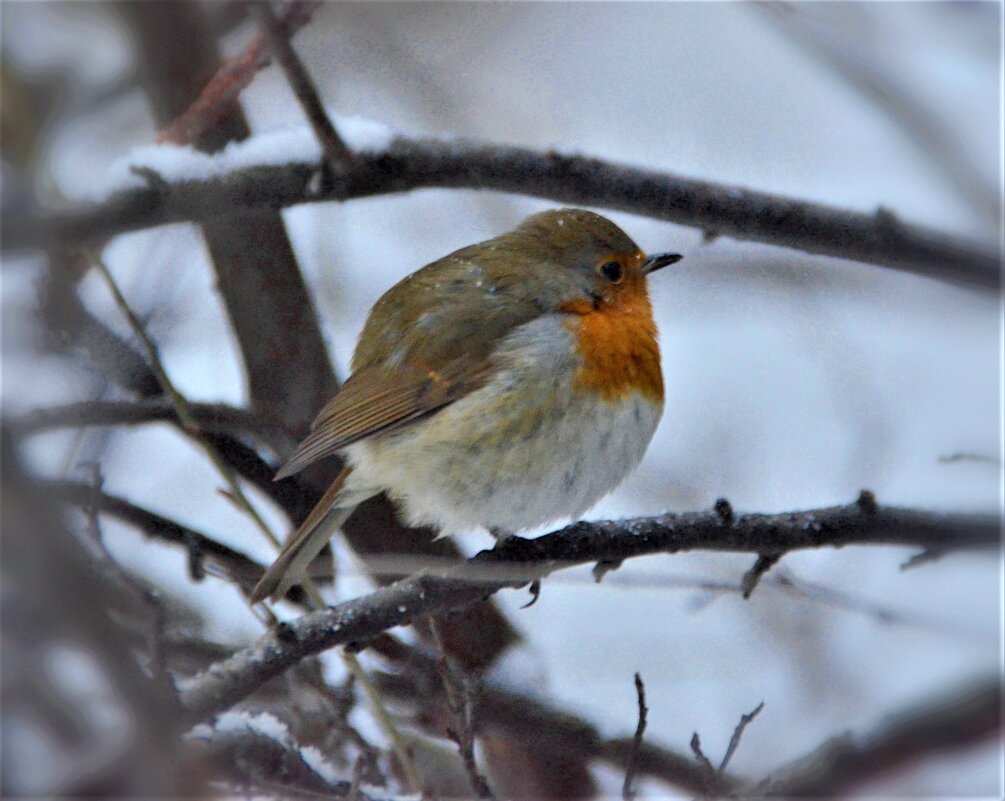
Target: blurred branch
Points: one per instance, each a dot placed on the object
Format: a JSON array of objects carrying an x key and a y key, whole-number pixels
[
  {"x": 180, "y": 404},
  {"x": 959, "y": 718},
  {"x": 216, "y": 418},
  {"x": 58, "y": 595},
  {"x": 408, "y": 164},
  {"x": 218, "y": 97},
  {"x": 460, "y": 692},
  {"x": 289, "y": 374},
  {"x": 270, "y": 765},
  {"x": 532, "y": 721},
  {"x": 71, "y": 328},
  {"x": 850, "y": 57},
  {"x": 518, "y": 561},
  {"x": 278, "y": 35},
  {"x": 234, "y": 565}
]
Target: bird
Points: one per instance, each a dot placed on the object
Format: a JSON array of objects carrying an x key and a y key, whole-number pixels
[{"x": 507, "y": 385}]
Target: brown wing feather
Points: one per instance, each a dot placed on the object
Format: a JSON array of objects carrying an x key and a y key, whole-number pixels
[{"x": 377, "y": 400}]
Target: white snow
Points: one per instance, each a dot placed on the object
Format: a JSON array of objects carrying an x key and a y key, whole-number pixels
[
  {"x": 263, "y": 723},
  {"x": 177, "y": 163},
  {"x": 313, "y": 758},
  {"x": 268, "y": 725}
]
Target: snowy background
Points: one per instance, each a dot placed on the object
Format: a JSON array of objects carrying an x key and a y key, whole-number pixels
[{"x": 793, "y": 381}]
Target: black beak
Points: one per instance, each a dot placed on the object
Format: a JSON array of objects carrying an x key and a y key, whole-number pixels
[{"x": 659, "y": 261}]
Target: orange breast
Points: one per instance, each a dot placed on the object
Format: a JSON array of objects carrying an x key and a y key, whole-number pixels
[{"x": 619, "y": 348}]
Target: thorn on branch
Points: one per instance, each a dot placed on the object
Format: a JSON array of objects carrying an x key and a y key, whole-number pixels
[
  {"x": 922, "y": 557},
  {"x": 724, "y": 509},
  {"x": 752, "y": 577},
  {"x": 285, "y": 632},
  {"x": 867, "y": 502},
  {"x": 154, "y": 180},
  {"x": 707, "y": 768},
  {"x": 196, "y": 559},
  {"x": 605, "y": 566},
  {"x": 535, "y": 593},
  {"x": 886, "y": 221},
  {"x": 627, "y": 790}
]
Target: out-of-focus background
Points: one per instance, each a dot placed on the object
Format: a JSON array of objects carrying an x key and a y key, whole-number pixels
[{"x": 793, "y": 381}]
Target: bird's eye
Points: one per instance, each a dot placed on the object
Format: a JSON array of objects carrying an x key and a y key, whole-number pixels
[{"x": 612, "y": 271}]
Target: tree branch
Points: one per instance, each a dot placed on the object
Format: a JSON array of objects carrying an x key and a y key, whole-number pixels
[
  {"x": 278, "y": 36},
  {"x": 517, "y": 561},
  {"x": 219, "y": 96},
  {"x": 409, "y": 164},
  {"x": 241, "y": 569},
  {"x": 956, "y": 719},
  {"x": 534, "y": 723},
  {"x": 217, "y": 418}
]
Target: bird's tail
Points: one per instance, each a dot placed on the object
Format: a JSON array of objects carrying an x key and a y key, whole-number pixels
[{"x": 290, "y": 567}]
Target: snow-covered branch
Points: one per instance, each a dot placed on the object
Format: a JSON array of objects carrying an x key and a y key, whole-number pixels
[{"x": 284, "y": 169}]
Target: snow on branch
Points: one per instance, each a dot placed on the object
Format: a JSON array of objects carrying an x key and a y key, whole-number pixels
[
  {"x": 283, "y": 169},
  {"x": 518, "y": 561}
]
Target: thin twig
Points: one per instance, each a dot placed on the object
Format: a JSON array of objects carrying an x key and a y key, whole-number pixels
[
  {"x": 459, "y": 691},
  {"x": 752, "y": 577},
  {"x": 532, "y": 722},
  {"x": 628, "y": 790},
  {"x": 335, "y": 151},
  {"x": 179, "y": 402},
  {"x": 210, "y": 418},
  {"x": 386, "y": 723},
  {"x": 734, "y": 741},
  {"x": 707, "y": 768},
  {"x": 407, "y": 164},
  {"x": 137, "y": 588}
]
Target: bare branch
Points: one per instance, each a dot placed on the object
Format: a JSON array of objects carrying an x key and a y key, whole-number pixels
[
  {"x": 218, "y": 98},
  {"x": 627, "y": 790},
  {"x": 460, "y": 700},
  {"x": 217, "y": 418},
  {"x": 965, "y": 715},
  {"x": 734, "y": 741},
  {"x": 752, "y": 577},
  {"x": 231, "y": 564},
  {"x": 866, "y": 69},
  {"x": 518, "y": 561},
  {"x": 705, "y": 765},
  {"x": 268, "y": 764},
  {"x": 409, "y": 164},
  {"x": 533, "y": 723},
  {"x": 334, "y": 149}
]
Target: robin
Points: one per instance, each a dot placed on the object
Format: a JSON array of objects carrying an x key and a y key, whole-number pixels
[{"x": 509, "y": 384}]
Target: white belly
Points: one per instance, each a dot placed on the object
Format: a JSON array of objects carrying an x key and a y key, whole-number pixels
[{"x": 523, "y": 451}]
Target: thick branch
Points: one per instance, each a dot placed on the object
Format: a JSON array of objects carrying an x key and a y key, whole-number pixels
[
  {"x": 518, "y": 561},
  {"x": 409, "y": 164}
]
